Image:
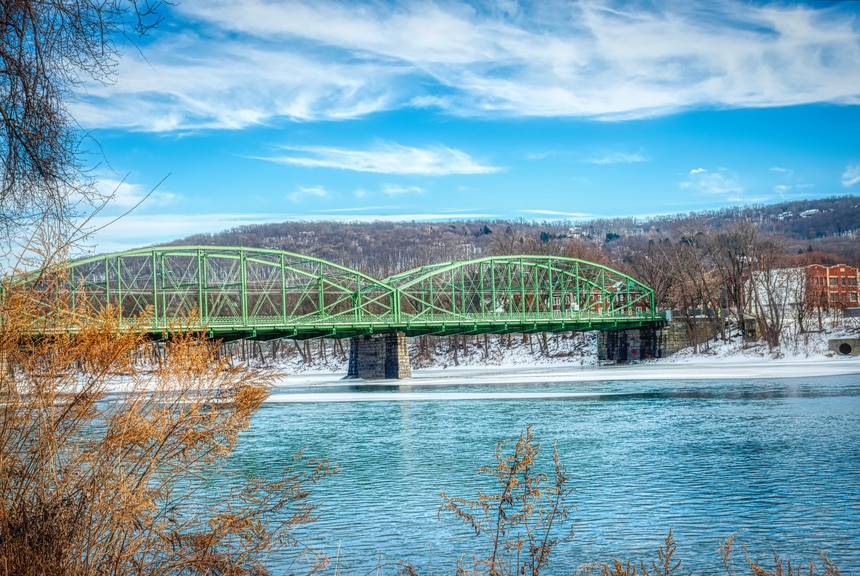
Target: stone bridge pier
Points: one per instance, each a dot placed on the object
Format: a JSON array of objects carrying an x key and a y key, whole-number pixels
[
  {"x": 379, "y": 356},
  {"x": 656, "y": 341},
  {"x": 630, "y": 345}
]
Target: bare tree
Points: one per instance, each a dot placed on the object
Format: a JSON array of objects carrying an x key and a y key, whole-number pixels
[
  {"x": 688, "y": 283},
  {"x": 771, "y": 290},
  {"x": 731, "y": 251},
  {"x": 47, "y": 49},
  {"x": 651, "y": 264}
]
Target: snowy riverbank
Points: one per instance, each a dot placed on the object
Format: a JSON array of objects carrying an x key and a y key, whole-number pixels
[{"x": 573, "y": 357}]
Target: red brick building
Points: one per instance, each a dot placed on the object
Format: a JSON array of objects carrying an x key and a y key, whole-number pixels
[{"x": 832, "y": 287}]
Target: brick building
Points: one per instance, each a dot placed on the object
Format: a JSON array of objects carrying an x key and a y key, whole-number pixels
[{"x": 832, "y": 287}]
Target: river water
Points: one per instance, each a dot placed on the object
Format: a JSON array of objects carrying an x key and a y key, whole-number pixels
[{"x": 776, "y": 459}]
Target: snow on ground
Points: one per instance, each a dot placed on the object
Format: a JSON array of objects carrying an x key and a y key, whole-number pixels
[{"x": 573, "y": 358}]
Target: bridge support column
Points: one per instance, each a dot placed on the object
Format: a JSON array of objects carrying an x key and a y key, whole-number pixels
[
  {"x": 630, "y": 345},
  {"x": 379, "y": 356}
]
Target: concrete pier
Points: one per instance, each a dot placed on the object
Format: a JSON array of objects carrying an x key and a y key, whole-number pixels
[{"x": 379, "y": 356}]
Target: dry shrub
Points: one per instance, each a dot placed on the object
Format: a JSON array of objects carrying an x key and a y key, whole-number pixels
[
  {"x": 665, "y": 565},
  {"x": 781, "y": 567},
  {"x": 520, "y": 523},
  {"x": 103, "y": 452}
]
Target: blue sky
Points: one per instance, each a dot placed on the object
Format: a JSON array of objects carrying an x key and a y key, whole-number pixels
[{"x": 263, "y": 111}]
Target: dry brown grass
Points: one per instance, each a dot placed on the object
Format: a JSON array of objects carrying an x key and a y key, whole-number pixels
[
  {"x": 781, "y": 566},
  {"x": 101, "y": 450}
]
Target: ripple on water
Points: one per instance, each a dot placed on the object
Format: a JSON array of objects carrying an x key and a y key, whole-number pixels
[{"x": 777, "y": 459}]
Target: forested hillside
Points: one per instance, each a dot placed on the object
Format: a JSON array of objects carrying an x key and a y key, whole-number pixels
[{"x": 807, "y": 231}]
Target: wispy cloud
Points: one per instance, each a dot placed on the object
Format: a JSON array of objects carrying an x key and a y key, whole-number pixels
[
  {"x": 560, "y": 215},
  {"x": 385, "y": 159},
  {"x": 329, "y": 59},
  {"x": 307, "y": 192},
  {"x": 396, "y": 190},
  {"x": 126, "y": 194},
  {"x": 851, "y": 176},
  {"x": 355, "y": 209},
  {"x": 721, "y": 182},
  {"x": 787, "y": 185},
  {"x": 617, "y": 158}
]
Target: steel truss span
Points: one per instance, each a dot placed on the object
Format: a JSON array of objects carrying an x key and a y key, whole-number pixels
[
  {"x": 232, "y": 292},
  {"x": 503, "y": 294}
]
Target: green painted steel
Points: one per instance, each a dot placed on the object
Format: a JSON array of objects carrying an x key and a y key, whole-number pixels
[
  {"x": 503, "y": 294},
  {"x": 232, "y": 292}
]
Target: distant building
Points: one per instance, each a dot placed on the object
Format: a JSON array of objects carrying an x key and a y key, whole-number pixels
[
  {"x": 816, "y": 286},
  {"x": 832, "y": 287},
  {"x": 783, "y": 288}
]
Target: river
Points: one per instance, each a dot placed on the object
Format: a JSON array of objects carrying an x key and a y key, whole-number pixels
[{"x": 776, "y": 458}]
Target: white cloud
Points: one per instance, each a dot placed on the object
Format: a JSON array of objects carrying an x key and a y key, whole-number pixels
[
  {"x": 385, "y": 159},
  {"x": 126, "y": 195},
  {"x": 851, "y": 176},
  {"x": 356, "y": 209},
  {"x": 719, "y": 183},
  {"x": 564, "y": 215},
  {"x": 539, "y": 155},
  {"x": 307, "y": 192},
  {"x": 329, "y": 59},
  {"x": 617, "y": 158},
  {"x": 395, "y": 190}
]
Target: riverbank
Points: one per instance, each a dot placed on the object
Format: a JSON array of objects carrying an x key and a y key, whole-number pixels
[
  {"x": 573, "y": 357},
  {"x": 698, "y": 368}
]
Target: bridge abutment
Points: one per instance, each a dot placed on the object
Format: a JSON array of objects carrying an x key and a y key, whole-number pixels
[
  {"x": 379, "y": 356},
  {"x": 652, "y": 342},
  {"x": 630, "y": 345}
]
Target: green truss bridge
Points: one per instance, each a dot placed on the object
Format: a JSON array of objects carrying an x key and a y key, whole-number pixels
[{"x": 232, "y": 293}]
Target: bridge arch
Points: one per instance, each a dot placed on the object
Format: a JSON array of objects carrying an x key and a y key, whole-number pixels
[
  {"x": 521, "y": 293},
  {"x": 235, "y": 292}
]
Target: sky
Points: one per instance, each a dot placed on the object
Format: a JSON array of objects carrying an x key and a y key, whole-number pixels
[{"x": 236, "y": 112}]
